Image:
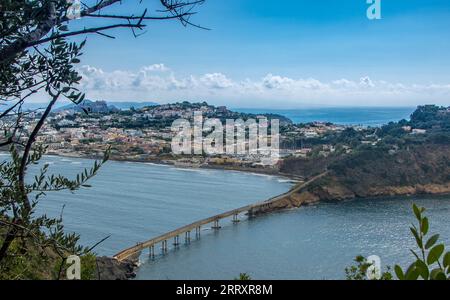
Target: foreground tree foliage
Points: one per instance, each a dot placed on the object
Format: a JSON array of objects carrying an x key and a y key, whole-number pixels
[
  {"x": 37, "y": 57},
  {"x": 431, "y": 261},
  {"x": 364, "y": 268},
  {"x": 244, "y": 277}
]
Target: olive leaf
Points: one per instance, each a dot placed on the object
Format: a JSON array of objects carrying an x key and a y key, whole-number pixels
[
  {"x": 435, "y": 253},
  {"x": 431, "y": 241}
]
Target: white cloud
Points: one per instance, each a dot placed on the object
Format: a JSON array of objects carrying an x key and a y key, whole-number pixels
[
  {"x": 158, "y": 83},
  {"x": 366, "y": 81},
  {"x": 216, "y": 81},
  {"x": 277, "y": 82},
  {"x": 344, "y": 83},
  {"x": 155, "y": 68}
]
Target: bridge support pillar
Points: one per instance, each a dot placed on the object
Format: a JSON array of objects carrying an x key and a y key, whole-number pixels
[
  {"x": 197, "y": 232},
  {"x": 176, "y": 241},
  {"x": 152, "y": 252},
  {"x": 235, "y": 219},
  {"x": 187, "y": 237},
  {"x": 216, "y": 225},
  {"x": 164, "y": 247}
]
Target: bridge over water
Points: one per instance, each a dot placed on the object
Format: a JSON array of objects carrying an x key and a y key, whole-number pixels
[{"x": 134, "y": 252}]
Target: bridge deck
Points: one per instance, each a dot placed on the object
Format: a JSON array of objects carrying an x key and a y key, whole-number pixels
[{"x": 136, "y": 250}]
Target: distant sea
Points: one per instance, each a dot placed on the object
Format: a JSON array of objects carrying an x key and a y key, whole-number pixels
[{"x": 366, "y": 116}]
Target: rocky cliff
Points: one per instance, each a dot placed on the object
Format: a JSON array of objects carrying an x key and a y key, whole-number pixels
[{"x": 423, "y": 169}]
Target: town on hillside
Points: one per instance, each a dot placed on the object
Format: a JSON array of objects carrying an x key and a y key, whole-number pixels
[{"x": 145, "y": 134}]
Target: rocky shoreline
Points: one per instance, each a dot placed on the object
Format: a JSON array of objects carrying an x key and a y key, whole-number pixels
[
  {"x": 312, "y": 192},
  {"x": 111, "y": 269},
  {"x": 320, "y": 191}
]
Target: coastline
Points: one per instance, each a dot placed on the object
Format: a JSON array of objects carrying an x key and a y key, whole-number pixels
[
  {"x": 290, "y": 200},
  {"x": 168, "y": 162},
  {"x": 296, "y": 197},
  {"x": 317, "y": 189},
  {"x": 293, "y": 200}
]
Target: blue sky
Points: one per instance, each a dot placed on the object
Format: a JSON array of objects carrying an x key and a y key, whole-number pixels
[{"x": 275, "y": 53}]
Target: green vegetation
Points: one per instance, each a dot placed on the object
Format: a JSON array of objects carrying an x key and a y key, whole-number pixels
[
  {"x": 32, "y": 245},
  {"x": 36, "y": 56},
  {"x": 431, "y": 262},
  {"x": 362, "y": 269},
  {"x": 244, "y": 277},
  {"x": 395, "y": 160},
  {"x": 428, "y": 124}
]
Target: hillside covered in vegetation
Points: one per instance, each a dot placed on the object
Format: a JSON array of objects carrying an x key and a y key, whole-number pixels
[{"x": 408, "y": 157}]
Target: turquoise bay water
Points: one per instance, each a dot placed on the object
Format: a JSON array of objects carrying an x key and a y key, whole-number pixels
[
  {"x": 133, "y": 202},
  {"x": 316, "y": 242},
  {"x": 367, "y": 116}
]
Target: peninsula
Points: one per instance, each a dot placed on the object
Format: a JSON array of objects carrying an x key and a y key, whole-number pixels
[{"x": 401, "y": 158}]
